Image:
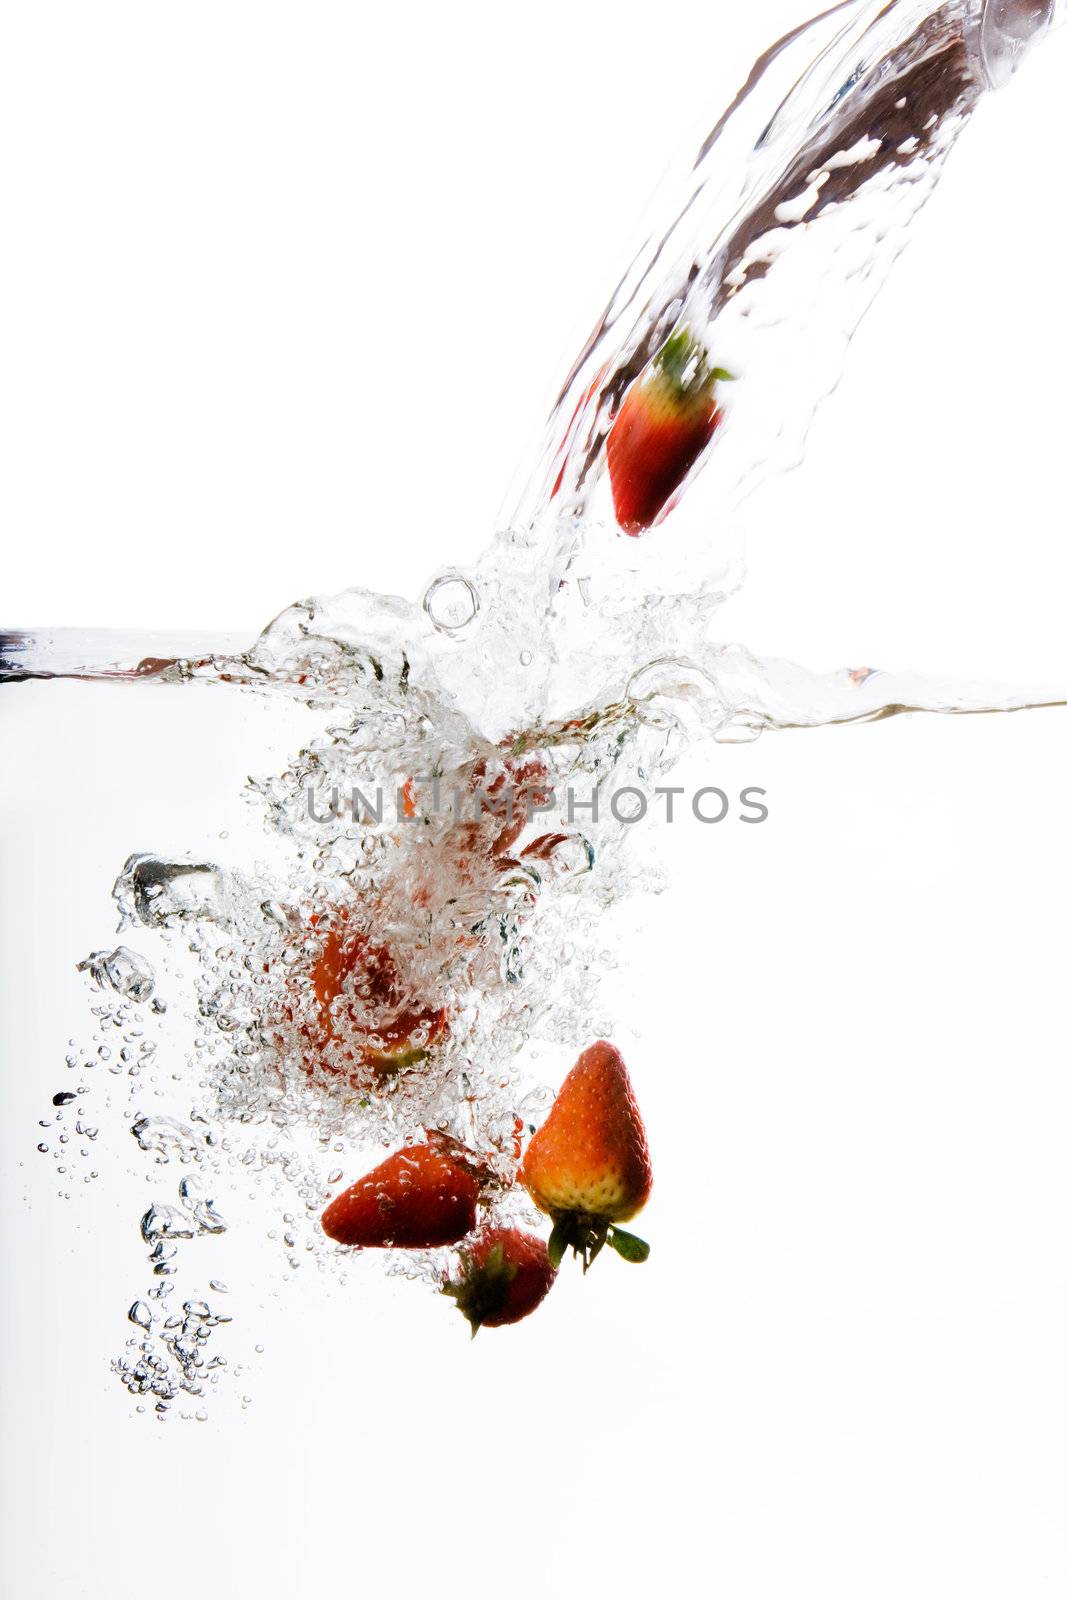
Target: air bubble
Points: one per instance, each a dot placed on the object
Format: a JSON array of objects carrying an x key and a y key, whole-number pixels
[
  {"x": 158, "y": 893},
  {"x": 123, "y": 970},
  {"x": 166, "y": 1222},
  {"x": 451, "y": 603}
]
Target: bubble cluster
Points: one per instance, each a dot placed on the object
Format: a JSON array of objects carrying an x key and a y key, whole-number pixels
[
  {"x": 170, "y": 1361},
  {"x": 375, "y": 985}
]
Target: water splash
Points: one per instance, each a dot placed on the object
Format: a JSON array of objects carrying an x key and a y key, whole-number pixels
[
  {"x": 773, "y": 243},
  {"x": 446, "y": 841}
]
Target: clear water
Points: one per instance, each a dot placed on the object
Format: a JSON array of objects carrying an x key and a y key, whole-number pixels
[{"x": 437, "y": 804}]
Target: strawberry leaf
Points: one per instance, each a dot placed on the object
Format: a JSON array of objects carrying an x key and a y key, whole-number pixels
[
  {"x": 558, "y": 1240},
  {"x": 628, "y": 1245}
]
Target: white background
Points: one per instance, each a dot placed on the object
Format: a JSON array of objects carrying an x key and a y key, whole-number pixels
[{"x": 253, "y": 255}]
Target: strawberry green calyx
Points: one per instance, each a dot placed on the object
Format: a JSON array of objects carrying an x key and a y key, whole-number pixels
[
  {"x": 482, "y": 1292},
  {"x": 587, "y": 1236},
  {"x": 682, "y": 366},
  {"x": 389, "y": 1064},
  {"x": 504, "y": 1276}
]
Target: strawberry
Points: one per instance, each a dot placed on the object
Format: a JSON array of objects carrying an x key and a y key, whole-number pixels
[
  {"x": 506, "y": 798},
  {"x": 542, "y": 848},
  {"x": 663, "y": 425},
  {"x": 389, "y": 1034},
  {"x": 417, "y": 1199},
  {"x": 588, "y": 1164},
  {"x": 493, "y": 1170},
  {"x": 504, "y": 1275}
]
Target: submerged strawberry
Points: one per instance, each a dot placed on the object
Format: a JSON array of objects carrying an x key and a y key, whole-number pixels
[
  {"x": 501, "y": 805},
  {"x": 357, "y": 982},
  {"x": 504, "y": 1275},
  {"x": 416, "y": 1199},
  {"x": 663, "y": 425},
  {"x": 588, "y": 1166}
]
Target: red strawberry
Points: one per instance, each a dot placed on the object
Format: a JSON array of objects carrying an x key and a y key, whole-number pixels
[
  {"x": 416, "y": 1199},
  {"x": 495, "y": 1169},
  {"x": 663, "y": 425},
  {"x": 508, "y": 797},
  {"x": 588, "y": 1164},
  {"x": 504, "y": 1276},
  {"x": 541, "y": 848},
  {"x": 390, "y": 1034}
]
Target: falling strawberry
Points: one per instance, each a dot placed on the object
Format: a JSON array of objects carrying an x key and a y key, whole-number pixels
[
  {"x": 417, "y": 1199},
  {"x": 663, "y": 425},
  {"x": 588, "y": 1166},
  {"x": 504, "y": 1275}
]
